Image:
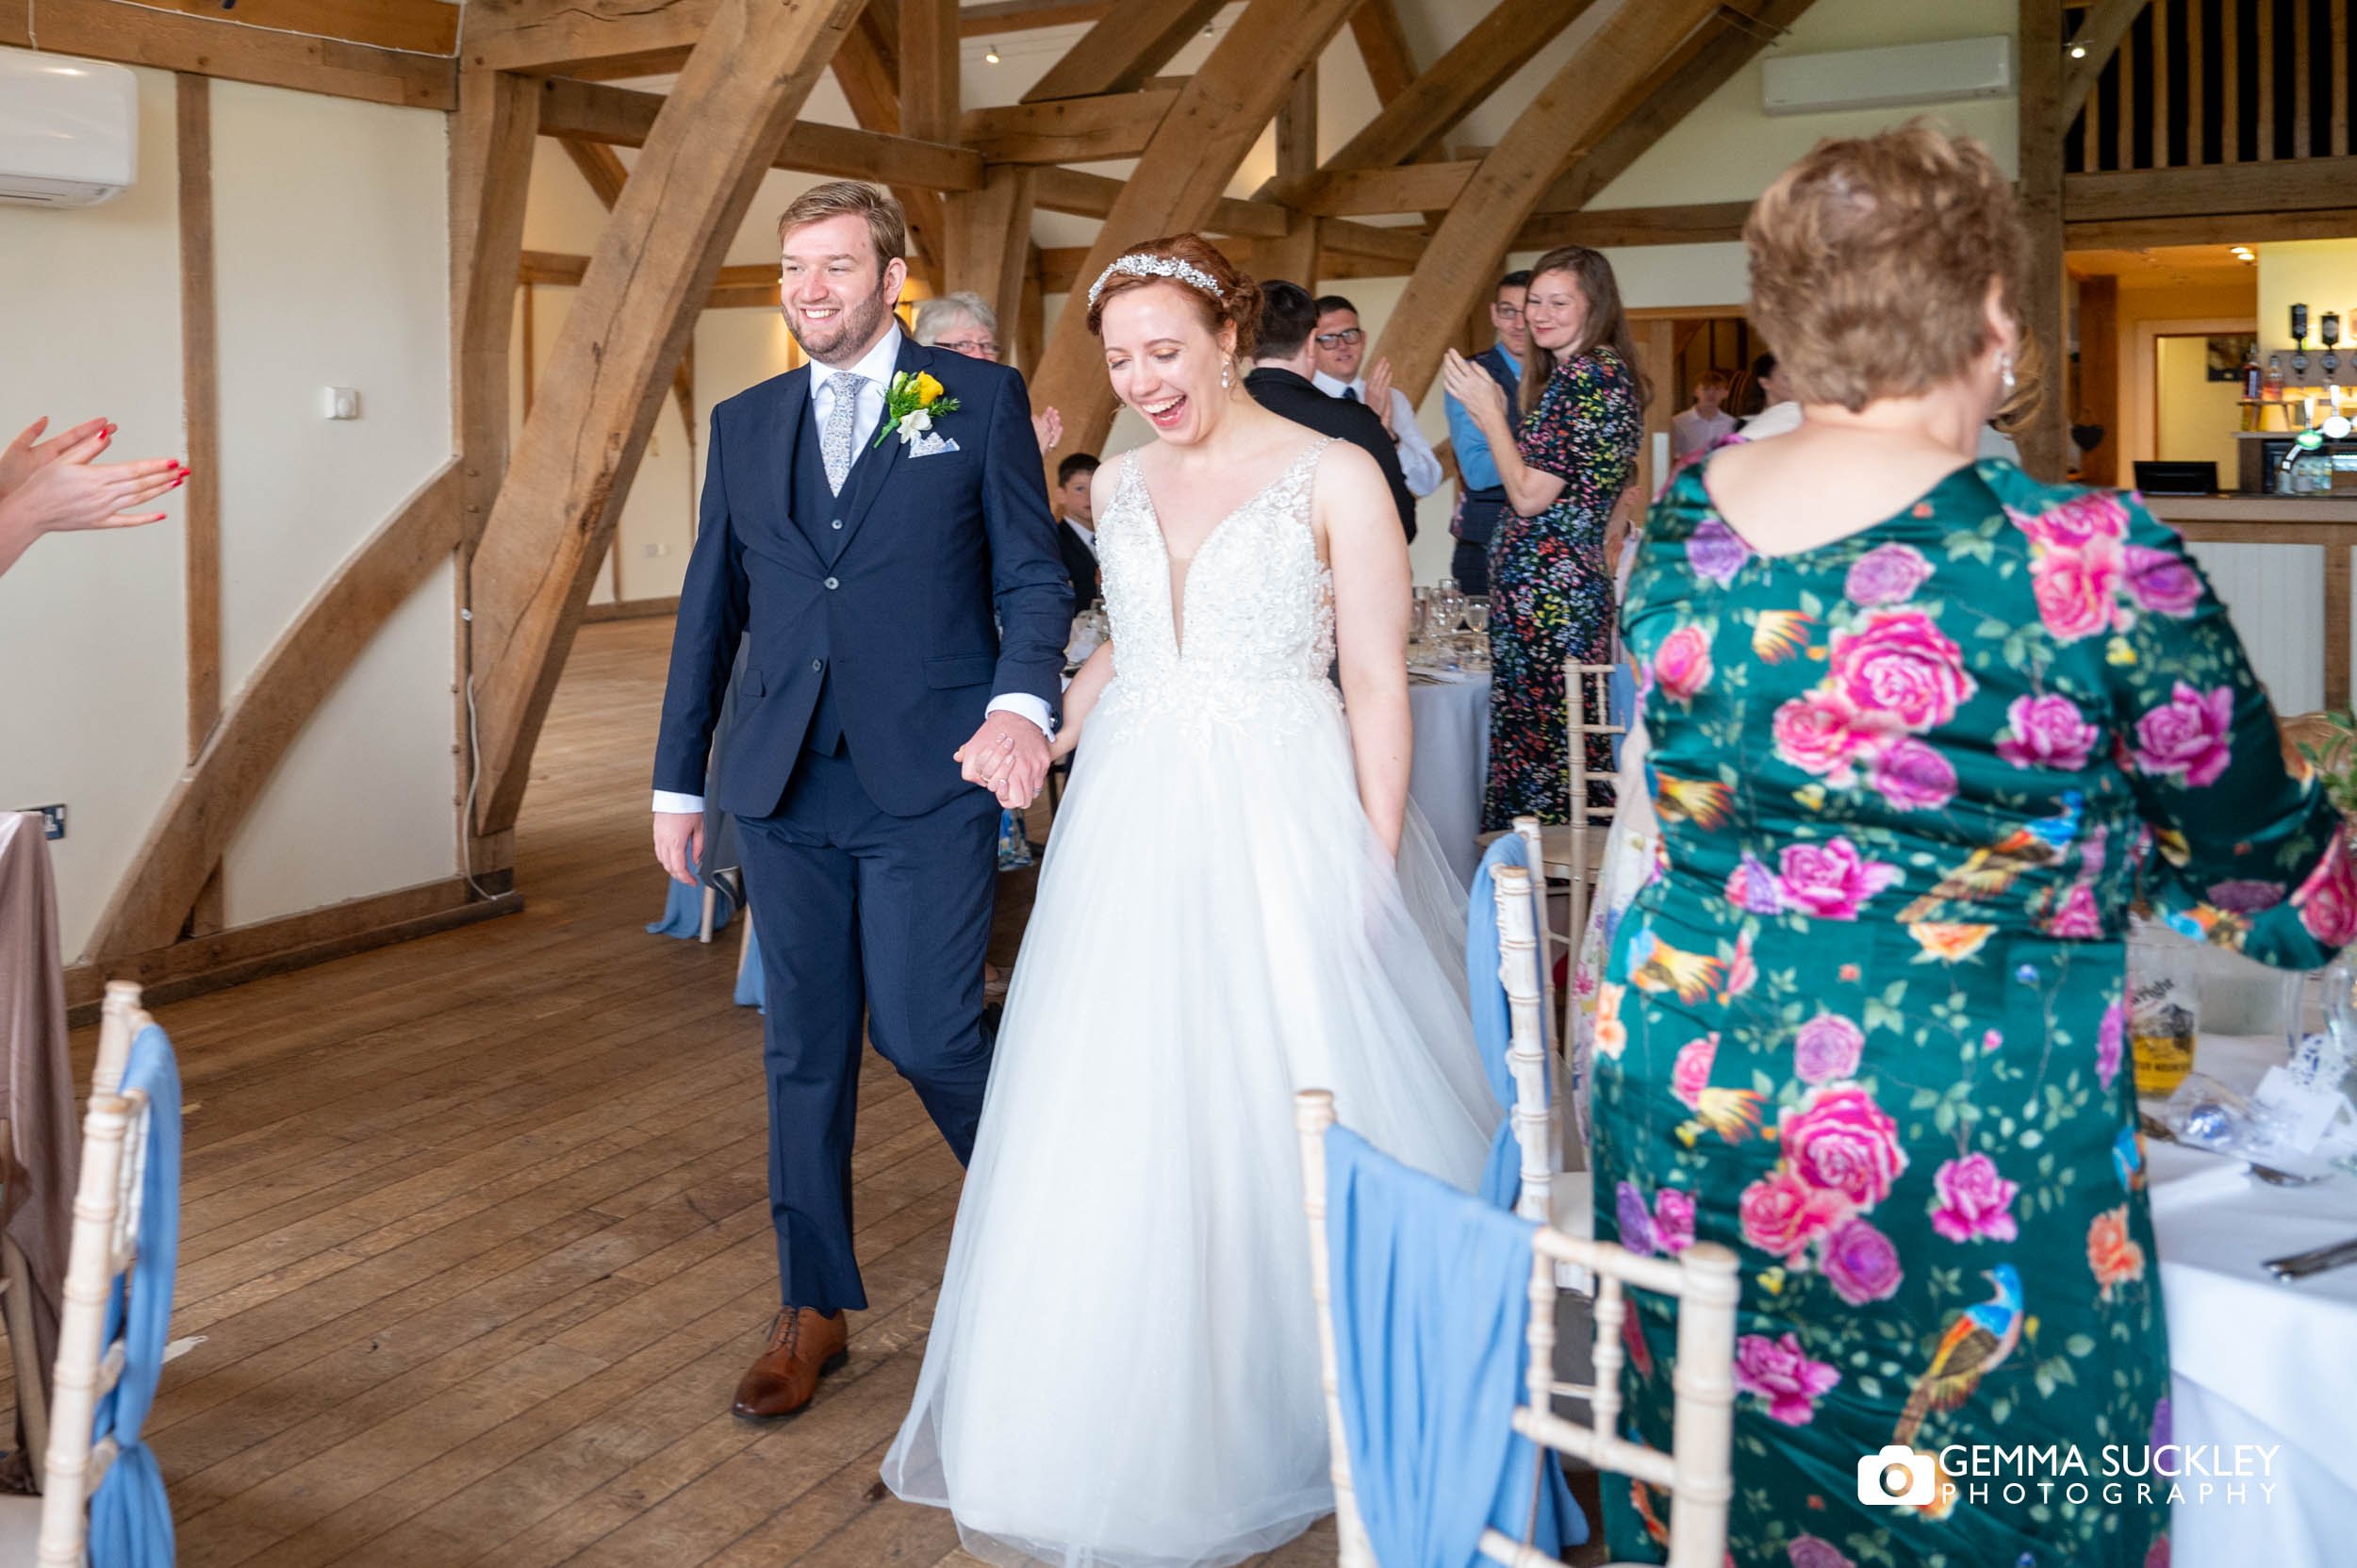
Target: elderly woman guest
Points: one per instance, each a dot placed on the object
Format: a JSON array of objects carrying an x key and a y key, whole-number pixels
[
  {"x": 1550, "y": 590},
  {"x": 963, "y": 324},
  {"x": 1914, "y": 719}
]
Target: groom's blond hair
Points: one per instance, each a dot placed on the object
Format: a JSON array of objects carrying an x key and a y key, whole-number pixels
[{"x": 887, "y": 224}]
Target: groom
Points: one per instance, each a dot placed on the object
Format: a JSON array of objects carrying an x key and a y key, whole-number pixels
[{"x": 888, "y": 548}]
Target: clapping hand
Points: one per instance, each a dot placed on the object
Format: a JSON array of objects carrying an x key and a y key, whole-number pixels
[
  {"x": 1380, "y": 395},
  {"x": 1047, "y": 426},
  {"x": 1007, "y": 756},
  {"x": 1473, "y": 387},
  {"x": 59, "y": 486},
  {"x": 28, "y": 452}
]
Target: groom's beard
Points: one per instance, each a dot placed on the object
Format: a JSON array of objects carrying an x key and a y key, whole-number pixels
[{"x": 854, "y": 328}]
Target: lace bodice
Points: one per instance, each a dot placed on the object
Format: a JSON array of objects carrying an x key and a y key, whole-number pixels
[{"x": 1258, "y": 615}]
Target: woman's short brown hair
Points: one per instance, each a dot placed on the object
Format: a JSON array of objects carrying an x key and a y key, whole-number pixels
[
  {"x": 888, "y": 224},
  {"x": 1872, "y": 261},
  {"x": 1238, "y": 302}
]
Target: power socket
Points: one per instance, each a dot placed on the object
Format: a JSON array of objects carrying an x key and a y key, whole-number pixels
[{"x": 52, "y": 819}]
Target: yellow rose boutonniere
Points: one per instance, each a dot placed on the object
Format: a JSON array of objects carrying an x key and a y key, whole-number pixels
[{"x": 912, "y": 403}]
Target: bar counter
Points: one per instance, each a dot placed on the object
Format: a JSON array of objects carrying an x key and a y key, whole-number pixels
[{"x": 2327, "y": 520}]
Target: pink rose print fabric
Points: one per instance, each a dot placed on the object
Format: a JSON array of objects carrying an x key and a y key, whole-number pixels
[{"x": 1870, "y": 1032}]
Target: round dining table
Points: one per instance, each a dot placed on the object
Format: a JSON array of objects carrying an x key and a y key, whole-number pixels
[{"x": 2264, "y": 1372}]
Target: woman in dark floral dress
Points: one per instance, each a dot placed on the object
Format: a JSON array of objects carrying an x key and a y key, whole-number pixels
[
  {"x": 1919, "y": 725},
  {"x": 1549, "y": 592}
]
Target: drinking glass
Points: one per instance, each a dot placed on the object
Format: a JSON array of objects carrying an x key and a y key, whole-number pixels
[{"x": 1477, "y": 618}]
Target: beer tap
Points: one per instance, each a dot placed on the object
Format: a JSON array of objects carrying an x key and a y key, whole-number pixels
[
  {"x": 2329, "y": 333},
  {"x": 2300, "y": 343}
]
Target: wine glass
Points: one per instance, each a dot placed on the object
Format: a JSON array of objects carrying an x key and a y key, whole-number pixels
[{"x": 1477, "y": 618}]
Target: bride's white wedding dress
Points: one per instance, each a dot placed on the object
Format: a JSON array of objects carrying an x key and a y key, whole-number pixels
[{"x": 1124, "y": 1363}]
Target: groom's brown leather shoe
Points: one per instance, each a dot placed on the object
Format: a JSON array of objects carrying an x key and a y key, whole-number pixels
[{"x": 804, "y": 1346}]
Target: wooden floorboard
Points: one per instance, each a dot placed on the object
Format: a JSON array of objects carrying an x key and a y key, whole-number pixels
[{"x": 476, "y": 1233}]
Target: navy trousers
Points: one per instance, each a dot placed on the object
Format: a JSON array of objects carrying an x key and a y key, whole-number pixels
[{"x": 862, "y": 915}]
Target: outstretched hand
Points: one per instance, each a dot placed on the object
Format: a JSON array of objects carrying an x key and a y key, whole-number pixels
[
  {"x": 1007, "y": 756},
  {"x": 28, "y": 452}
]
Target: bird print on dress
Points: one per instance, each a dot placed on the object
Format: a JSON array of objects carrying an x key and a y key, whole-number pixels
[{"x": 1975, "y": 1345}]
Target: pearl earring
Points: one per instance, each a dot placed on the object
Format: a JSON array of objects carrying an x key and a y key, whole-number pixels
[
  {"x": 2006, "y": 378},
  {"x": 1227, "y": 374}
]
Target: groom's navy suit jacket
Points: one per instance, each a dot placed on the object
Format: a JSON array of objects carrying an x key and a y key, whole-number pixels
[{"x": 874, "y": 608}]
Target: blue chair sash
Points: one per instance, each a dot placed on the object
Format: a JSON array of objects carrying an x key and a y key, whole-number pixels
[
  {"x": 130, "y": 1520},
  {"x": 684, "y": 905},
  {"x": 753, "y": 987},
  {"x": 1430, "y": 1296}
]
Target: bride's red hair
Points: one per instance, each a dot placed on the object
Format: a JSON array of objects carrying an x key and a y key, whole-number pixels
[{"x": 1239, "y": 299}]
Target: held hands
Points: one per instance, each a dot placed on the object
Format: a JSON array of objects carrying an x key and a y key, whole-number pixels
[
  {"x": 1007, "y": 756},
  {"x": 1481, "y": 396},
  {"x": 679, "y": 843},
  {"x": 1380, "y": 395}
]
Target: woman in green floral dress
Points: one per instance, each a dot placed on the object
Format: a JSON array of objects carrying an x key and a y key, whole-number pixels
[{"x": 1865, "y": 1024}]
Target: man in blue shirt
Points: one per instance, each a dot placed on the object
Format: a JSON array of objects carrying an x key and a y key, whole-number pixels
[{"x": 1481, "y": 494}]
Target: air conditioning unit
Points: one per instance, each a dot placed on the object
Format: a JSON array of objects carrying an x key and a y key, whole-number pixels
[
  {"x": 69, "y": 129},
  {"x": 1907, "y": 73}
]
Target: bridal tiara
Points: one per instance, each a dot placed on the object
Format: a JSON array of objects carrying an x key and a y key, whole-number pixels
[{"x": 1139, "y": 264}]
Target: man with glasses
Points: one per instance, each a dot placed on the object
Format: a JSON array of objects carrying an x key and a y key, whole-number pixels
[
  {"x": 1341, "y": 343},
  {"x": 1480, "y": 493}
]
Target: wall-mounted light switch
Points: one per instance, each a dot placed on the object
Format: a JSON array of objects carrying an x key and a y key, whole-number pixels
[{"x": 342, "y": 402}]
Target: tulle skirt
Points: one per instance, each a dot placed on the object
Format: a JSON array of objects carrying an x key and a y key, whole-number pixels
[{"x": 1123, "y": 1369}]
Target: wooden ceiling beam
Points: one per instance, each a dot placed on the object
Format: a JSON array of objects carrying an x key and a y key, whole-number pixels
[
  {"x": 621, "y": 117},
  {"x": 603, "y": 168},
  {"x": 1068, "y": 130},
  {"x": 1702, "y": 222},
  {"x": 1413, "y": 121},
  {"x": 1678, "y": 86},
  {"x": 1391, "y": 64},
  {"x": 867, "y": 69},
  {"x": 1083, "y": 194},
  {"x": 564, "y": 36},
  {"x": 1181, "y": 177},
  {"x": 1596, "y": 87},
  {"x": 1134, "y": 42},
  {"x": 1001, "y": 17},
  {"x": 2293, "y": 186},
  {"x": 929, "y": 70},
  {"x": 658, "y": 256},
  {"x": 231, "y": 51},
  {"x": 419, "y": 27}
]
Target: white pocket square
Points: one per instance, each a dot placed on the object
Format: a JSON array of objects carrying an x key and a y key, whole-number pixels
[{"x": 931, "y": 444}]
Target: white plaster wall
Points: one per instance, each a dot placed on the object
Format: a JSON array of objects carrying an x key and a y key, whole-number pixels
[
  {"x": 332, "y": 255},
  {"x": 93, "y": 634}
]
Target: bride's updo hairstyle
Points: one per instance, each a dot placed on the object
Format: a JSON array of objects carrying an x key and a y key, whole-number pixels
[
  {"x": 1230, "y": 297},
  {"x": 1871, "y": 259}
]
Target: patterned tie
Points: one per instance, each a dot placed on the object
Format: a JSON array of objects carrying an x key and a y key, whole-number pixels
[{"x": 834, "y": 442}]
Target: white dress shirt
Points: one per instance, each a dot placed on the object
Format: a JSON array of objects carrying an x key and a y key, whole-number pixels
[
  {"x": 1689, "y": 431},
  {"x": 1418, "y": 463},
  {"x": 1087, "y": 535},
  {"x": 876, "y": 368}
]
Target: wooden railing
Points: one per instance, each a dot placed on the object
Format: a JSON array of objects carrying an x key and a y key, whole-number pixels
[{"x": 2201, "y": 83}]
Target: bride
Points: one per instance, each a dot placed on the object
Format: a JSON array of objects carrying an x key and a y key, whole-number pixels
[{"x": 1236, "y": 902}]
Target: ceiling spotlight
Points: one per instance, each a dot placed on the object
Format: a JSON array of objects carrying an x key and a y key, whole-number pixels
[
  {"x": 2078, "y": 51},
  {"x": 990, "y": 54}
]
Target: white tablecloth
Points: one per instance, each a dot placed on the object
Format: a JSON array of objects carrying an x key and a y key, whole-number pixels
[
  {"x": 2255, "y": 1360},
  {"x": 1452, "y": 763}
]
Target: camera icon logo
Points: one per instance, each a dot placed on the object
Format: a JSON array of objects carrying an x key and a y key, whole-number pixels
[{"x": 1899, "y": 1463}]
